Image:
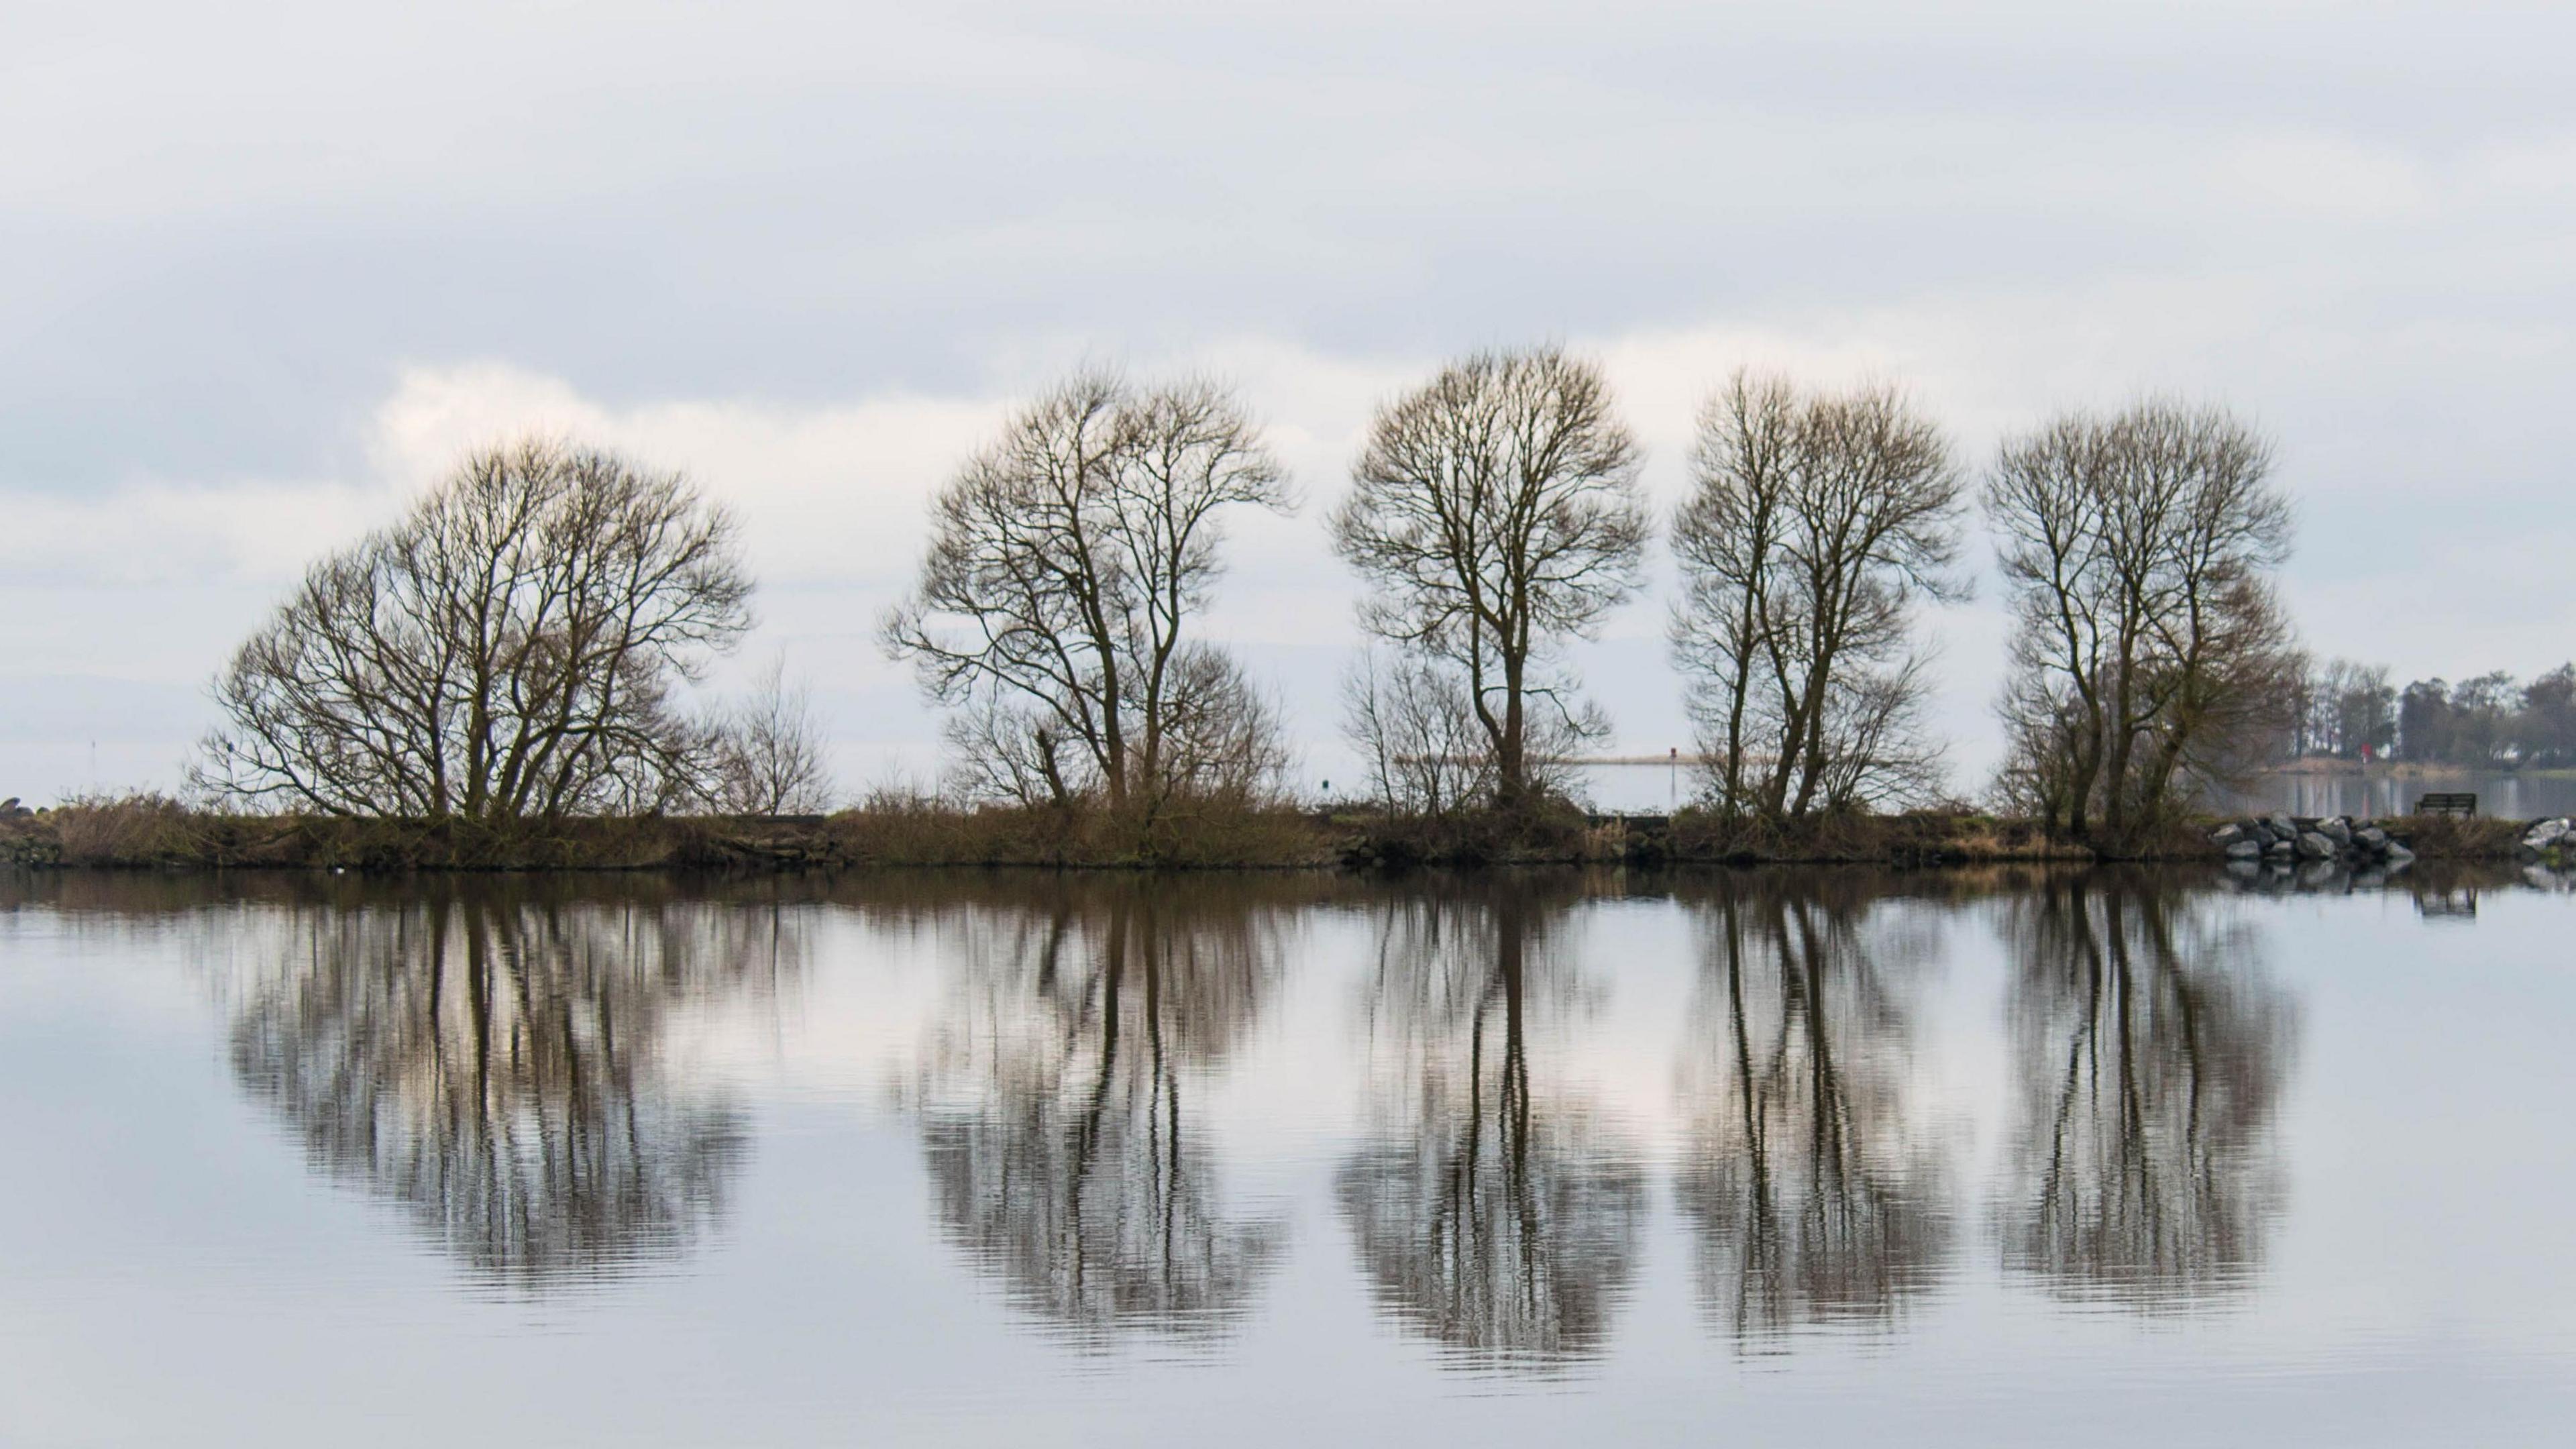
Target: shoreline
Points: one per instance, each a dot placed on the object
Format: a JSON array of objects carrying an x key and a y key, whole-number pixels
[{"x": 147, "y": 833}]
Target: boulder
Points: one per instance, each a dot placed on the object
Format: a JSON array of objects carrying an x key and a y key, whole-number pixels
[
  {"x": 2545, "y": 834},
  {"x": 2227, "y": 834},
  {"x": 2398, "y": 856},
  {"x": 2313, "y": 846},
  {"x": 2244, "y": 850},
  {"x": 2281, "y": 826},
  {"x": 2280, "y": 850},
  {"x": 2371, "y": 838},
  {"x": 2337, "y": 830}
]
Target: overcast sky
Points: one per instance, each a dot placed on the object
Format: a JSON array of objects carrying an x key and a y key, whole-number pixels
[{"x": 266, "y": 269}]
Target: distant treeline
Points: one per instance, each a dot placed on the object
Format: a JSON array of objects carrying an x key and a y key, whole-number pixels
[{"x": 2352, "y": 711}]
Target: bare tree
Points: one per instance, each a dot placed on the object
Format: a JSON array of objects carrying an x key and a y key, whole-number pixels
[
  {"x": 508, "y": 649},
  {"x": 2150, "y": 656},
  {"x": 2346, "y": 708},
  {"x": 769, "y": 752},
  {"x": 1068, "y": 565},
  {"x": 1413, "y": 725},
  {"x": 1815, "y": 522},
  {"x": 1222, "y": 734},
  {"x": 1495, "y": 514}
]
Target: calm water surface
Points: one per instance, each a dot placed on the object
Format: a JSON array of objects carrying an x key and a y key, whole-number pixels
[
  {"x": 1819, "y": 1158},
  {"x": 2379, "y": 792}
]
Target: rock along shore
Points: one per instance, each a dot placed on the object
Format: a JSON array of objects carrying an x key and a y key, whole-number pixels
[{"x": 2287, "y": 843}]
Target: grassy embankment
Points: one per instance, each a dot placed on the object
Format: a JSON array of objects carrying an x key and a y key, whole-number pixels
[{"x": 149, "y": 831}]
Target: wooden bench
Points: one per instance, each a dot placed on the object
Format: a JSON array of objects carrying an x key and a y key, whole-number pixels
[{"x": 2446, "y": 804}]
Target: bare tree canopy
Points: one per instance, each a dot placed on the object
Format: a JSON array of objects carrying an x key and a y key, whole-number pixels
[
  {"x": 769, "y": 752},
  {"x": 1068, "y": 565},
  {"x": 1410, "y": 720},
  {"x": 1494, "y": 514},
  {"x": 1815, "y": 522},
  {"x": 2346, "y": 709},
  {"x": 2150, "y": 655},
  {"x": 507, "y": 650}
]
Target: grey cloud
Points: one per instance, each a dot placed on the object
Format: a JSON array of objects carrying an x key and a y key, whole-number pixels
[{"x": 226, "y": 232}]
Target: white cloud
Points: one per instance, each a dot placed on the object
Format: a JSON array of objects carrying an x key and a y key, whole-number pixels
[{"x": 833, "y": 493}]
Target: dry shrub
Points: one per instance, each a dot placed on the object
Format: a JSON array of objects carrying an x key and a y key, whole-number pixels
[
  {"x": 1920, "y": 837},
  {"x": 1546, "y": 830},
  {"x": 893, "y": 827},
  {"x": 140, "y": 827},
  {"x": 2458, "y": 837}
]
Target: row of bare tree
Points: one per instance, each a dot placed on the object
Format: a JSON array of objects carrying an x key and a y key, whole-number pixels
[
  {"x": 1496, "y": 516},
  {"x": 513, "y": 647}
]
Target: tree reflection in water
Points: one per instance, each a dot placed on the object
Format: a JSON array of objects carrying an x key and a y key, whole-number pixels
[
  {"x": 1813, "y": 1191},
  {"x": 2151, "y": 1049},
  {"x": 1489, "y": 1214},
  {"x": 492, "y": 1060},
  {"x": 1063, "y": 1155}
]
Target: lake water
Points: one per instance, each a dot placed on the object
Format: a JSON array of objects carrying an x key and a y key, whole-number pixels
[
  {"x": 1822, "y": 1157},
  {"x": 2379, "y": 793},
  {"x": 1654, "y": 789}
]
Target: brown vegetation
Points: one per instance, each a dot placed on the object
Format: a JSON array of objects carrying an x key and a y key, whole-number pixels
[
  {"x": 896, "y": 830},
  {"x": 1925, "y": 837},
  {"x": 148, "y": 831}
]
